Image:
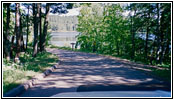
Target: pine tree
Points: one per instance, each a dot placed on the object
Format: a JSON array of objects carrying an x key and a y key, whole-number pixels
[
  {"x": 35, "y": 21},
  {"x": 18, "y": 34}
]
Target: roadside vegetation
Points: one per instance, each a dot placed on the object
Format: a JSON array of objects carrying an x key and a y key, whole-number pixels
[
  {"x": 15, "y": 74},
  {"x": 143, "y": 34},
  {"x": 139, "y": 32},
  {"x": 25, "y": 38}
]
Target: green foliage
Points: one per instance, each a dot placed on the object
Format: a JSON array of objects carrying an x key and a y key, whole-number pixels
[
  {"x": 164, "y": 74},
  {"x": 11, "y": 24},
  {"x": 15, "y": 74},
  {"x": 39, "y": 63},
  {"x": 104, "y": 28},
  {"x": 89, "y": 24}
]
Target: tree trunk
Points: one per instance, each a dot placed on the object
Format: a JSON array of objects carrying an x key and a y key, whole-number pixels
[
  {"x": 158, "y": 33},
  {"x": 22, "y": 44},
  {"x": 162, "y": 49},
  {"x": 22, "y": 40},
  {"x": 167, "y": 51},
  {"x": 146, "y": 45},
  {"x": 27, "y": 28},
  {"x": 43, "y": 42},
  {"x": 35, "y": 20},
  {"x": 147, "y": 34},
  {"x": 161, "y": 42},
  {"x": 18, "y": 39},
  {"x": 162, "y": 33},
  {"x": 12, "y": 47},
  {"x": 7, "y": 32},
  {"x": 40, "y": 26}
]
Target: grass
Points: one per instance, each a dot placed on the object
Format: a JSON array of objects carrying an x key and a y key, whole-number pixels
[
  {"x": 13, "y": 76},
  {"x": 40, "y": 62},
  {"x": 16, "y": 74},
  {"x": 164, "y": 74}
]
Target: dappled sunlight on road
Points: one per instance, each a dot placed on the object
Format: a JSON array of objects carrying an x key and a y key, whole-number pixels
[
  {"x": 80, "y": 71},
  {"x": 68, "y": 79}
]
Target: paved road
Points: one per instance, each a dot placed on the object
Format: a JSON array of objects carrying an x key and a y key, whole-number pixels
[{"x": 90, "y": 72}]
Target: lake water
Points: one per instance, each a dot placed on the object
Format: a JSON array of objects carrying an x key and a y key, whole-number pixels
[{"x": 63, "y": 38}]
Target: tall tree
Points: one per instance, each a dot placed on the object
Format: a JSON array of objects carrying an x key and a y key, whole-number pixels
[
  {"x": 133, "y": 8},
  {"x": 35, "y": 21},
  {"x": 17, "y": 31},
  {"x": 45, "y": 28},
  {"x": 165, "y": 31},
  {"x": 7, "y": 40},
  {"x": 56, "y": 8},
  {"x": 40, "y": 24},
  {"x": 158, "y": 32},
  {"x": 21, "y": 31},
  {"x": 28, "y": 11},
  {"x": 148, "y": 30}
]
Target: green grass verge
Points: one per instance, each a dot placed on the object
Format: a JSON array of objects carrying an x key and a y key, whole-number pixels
[
  {"x": 165, "y": 74},
  {"x": 16, "y": 74}
]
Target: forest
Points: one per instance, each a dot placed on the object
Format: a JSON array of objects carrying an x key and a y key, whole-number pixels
[
  {"x": 136, "y": 31},
  {"x": 24, "y": 59},
  {"x": 62, "y": 23},
  {"x": 23, "y": 19},
  {"x": 140, "y": 32}
]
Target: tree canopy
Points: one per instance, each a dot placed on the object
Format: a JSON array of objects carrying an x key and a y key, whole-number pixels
[{"x": 139, "y": 31}]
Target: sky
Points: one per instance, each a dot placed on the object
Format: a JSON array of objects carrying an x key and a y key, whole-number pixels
[{"x": 71, "y": 12}]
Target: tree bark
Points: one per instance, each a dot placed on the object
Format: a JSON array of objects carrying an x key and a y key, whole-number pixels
[
  {"x": 35, "y": 20},
  {"x": 7, "y": 32},
  {"x": 12, "y": 46},
  {"x": 22, "y": 43},
  {"x": 158, "y": 33},
  {"x": 43, "y": 42},
  {"x": 18, "y": 39},
  {"x": 40, "y": 26},
  {"x": 27, "y": 28},
  {"x": 22, "y": 40},
  {"x": 162, "y": 49},
  {"x": 162, "y": 34}
]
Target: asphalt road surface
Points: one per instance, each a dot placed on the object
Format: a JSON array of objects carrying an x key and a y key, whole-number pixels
[{"x": 90, "y": 72}]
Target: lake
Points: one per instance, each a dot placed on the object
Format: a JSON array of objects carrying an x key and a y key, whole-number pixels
[{"x": 63, "y": 38}]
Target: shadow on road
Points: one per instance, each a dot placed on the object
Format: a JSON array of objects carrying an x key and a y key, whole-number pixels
[{"x": 79, "y": 72}]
